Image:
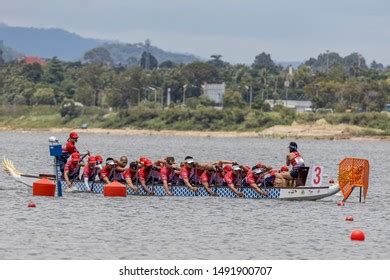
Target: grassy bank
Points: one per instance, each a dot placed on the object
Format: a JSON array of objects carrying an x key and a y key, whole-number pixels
[{"x": 283, "y": 122}]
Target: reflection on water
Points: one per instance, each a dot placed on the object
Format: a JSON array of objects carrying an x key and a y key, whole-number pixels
[{"x": 88, "y": 226}]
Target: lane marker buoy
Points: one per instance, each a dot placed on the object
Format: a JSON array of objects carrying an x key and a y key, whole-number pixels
[
  {"x": 31, "y": 204},
  {"x": 349, "y": 218},
  {"x": 357, "y": 235},
  {"x": 340, "y": 203}
]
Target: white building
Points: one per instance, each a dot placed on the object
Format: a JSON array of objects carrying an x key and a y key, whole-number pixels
[
  {"x": 215, "y": 92},
  {"x": 299, "y": 105}
]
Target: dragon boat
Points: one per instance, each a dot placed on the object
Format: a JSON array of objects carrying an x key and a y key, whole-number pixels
[{"x": 353, "y": 172}]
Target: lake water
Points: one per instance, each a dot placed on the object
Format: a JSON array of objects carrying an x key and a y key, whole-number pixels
[{"x": 89, "y": 226}]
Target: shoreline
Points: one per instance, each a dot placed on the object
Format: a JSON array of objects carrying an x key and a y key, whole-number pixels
[{"x": 298, "y": 131}]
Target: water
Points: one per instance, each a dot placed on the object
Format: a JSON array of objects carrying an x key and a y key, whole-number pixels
[{"x": 89, "y": 226}]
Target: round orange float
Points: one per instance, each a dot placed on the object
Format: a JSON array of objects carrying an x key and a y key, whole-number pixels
[
  {"x": 115, "y": 189},
  {"x": 358, "y": 235}
]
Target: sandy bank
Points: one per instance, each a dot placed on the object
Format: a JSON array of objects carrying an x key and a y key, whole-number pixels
[{"x": 318, "y": 130}]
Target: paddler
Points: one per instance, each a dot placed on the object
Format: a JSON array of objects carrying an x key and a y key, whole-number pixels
[
  {"x": 232, "y": 178},
  {"x": 130, "y": 174},
  {"x": 72, "y": 169},
  {"x": 90, "y": 171},
  {"x": 188, "y": 172},
  {"x": 254, "y": 178},
  {"x": 144, "y": 173},
  {"x": 168, "y": 171},
  {"x": 107, "y": 173},
  {"x": 120, "y": 168}
]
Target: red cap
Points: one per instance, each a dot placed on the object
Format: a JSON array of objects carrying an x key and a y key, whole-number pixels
[
  {"x": 284, "y": 168},
  {"x": 99, "y": 158},
  {"x": 92, "y": 159},
  {"x": 227, "y": 168},
  {"x": 76, "y": 156},
  {"x": 148, "y": 163},
  {"x": 73, "y": 135}
]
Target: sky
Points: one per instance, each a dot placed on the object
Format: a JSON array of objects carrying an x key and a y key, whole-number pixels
[{"x": 290, "y": 30}]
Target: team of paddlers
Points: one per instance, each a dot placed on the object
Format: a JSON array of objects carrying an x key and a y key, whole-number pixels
[{"x": 167, "y": 172}]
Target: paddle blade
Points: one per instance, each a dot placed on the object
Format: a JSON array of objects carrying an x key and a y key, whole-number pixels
[{"x": 353, "y": 172}]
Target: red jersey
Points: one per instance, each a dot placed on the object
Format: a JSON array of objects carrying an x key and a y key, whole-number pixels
[
  {"x": 143, "y": 173},
  {"x": 230, "y": 177},
  {"x": 129, "y": 173},
  {"x": 69, "y": 147},
  {"x": 90, "y": 173},
  {"x": 72, "y": 168},
  {"x": 165, "y": 173},
  {"x": 185, "y": 172},
  {"x": 109, "y": 173},
  {"x": 251, "y": 178}
]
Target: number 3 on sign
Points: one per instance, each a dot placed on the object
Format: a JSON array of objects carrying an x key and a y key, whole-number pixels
[{"x": 316, "y": 176}]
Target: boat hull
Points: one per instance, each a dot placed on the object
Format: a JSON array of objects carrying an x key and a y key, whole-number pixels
[{"x": 300, "y": 193}]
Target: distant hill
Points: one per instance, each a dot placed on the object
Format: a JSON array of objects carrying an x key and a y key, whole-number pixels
[
  {"x": 70, "y": 46},
  {"x": 8, "y": 53},
  {"x": 46, "y": 42},
  {"x": 130, "y": 54}
]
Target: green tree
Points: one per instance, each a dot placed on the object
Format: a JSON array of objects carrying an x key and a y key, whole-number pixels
[
  {"x": 33, "y": 72},
  {"x": 264, "y": 60},
  {"x": 233, "y": 99},
  {"x": 44, "y": 96},
  {"x": 55, "y": 71},
  {"x": 99, "y": 55},
  {"x": 153, "y": 63}
]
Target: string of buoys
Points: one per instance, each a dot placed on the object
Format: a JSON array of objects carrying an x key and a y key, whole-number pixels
[{"x": 356, "y": 235}]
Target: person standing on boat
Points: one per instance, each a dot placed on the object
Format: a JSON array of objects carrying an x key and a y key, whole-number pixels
[
  {"x": 72, "y": 169},
  {"x": 254, "y": 178},
  {"x": 233, "y": 177},
  {"x": 187, "y": 172},
  {"x": 107, "y": 173},
  {"x": 130, "y": 174},
  {"x": 90, "y": 171},
  {"x": 144, "y": 173},
  {"x": 68, "y": 149}
]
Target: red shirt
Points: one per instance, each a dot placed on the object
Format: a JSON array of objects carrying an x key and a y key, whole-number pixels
[
  {"x": 69, "y": 147},
  {"x": 230, "y": 177},
  {"x": 105, "y": 172},
  {"x": 251, "y": 178},
  {"x": 165, "y": 173},
  {"x": 71, "y": 167},
  {"x": 185, "y": 172},
  {"x": 129, "y": 173},
  {"x": 205, "y": 177},
  {"x": 89, "y": 172},
  {"x": 143, "y": 173}
]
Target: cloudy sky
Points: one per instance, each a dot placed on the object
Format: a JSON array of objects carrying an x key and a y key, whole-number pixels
[{"x": 290, "y": 30}]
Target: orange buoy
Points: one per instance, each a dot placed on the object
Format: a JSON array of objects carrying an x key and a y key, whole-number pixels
[
  {"x": 340, "y": 203},
  {"x": 44, "y": 187},
  {"x": 349, "y": 218},
  {"x": 115, "y": 189},
  {"x": 31, "y": 204},
  {"x": 357, "y": 235}
]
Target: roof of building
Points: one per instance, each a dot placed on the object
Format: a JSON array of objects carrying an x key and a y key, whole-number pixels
[{"x": 34, "y": 59}]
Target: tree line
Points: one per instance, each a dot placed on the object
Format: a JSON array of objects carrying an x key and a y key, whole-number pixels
[{"x": 329, "y": 81}]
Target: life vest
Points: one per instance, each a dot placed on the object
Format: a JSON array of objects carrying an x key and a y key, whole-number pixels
[{"x": 297, "y": 161}]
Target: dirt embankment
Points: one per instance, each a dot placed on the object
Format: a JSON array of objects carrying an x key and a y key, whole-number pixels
[{"x": 318, "y": 130}]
